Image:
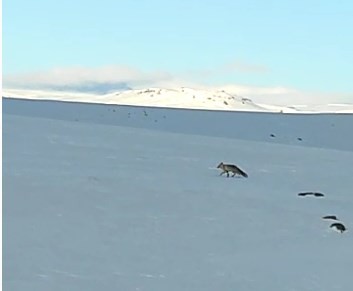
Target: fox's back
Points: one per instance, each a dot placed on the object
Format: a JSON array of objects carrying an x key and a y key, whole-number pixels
[
  {"x": 228, "y": 167},
  {"x": 231, "y": 168}
]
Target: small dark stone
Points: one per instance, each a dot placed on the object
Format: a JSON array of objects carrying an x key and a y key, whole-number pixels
[
  {"x": 272, "y": 135},
  {"x": 299, "y": 138},
  {"x": 339, "y": 226},
  {"x": 333, "y": 217},
  {"x": 316, "y": 194}
]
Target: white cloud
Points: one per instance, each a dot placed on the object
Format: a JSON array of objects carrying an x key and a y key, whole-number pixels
[
  {"x": 284, "y": 96},
  {"x": 71, "y": 76}
]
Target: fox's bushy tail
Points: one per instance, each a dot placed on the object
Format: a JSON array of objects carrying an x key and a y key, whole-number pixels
[{"x": 241, "y": 172}]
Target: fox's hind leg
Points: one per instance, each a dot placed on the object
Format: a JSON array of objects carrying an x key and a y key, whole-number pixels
[{"x": 233, "y": 174}]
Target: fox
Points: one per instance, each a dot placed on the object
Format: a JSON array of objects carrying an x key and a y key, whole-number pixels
[{"x": 226, "y": 168}]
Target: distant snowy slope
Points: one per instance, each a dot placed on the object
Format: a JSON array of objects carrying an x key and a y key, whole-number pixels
[
  {"x": 179, "y": 97},
  {"x": 159, "y": 97},
  {"x": 92, "y": 206},
  {"x": 333, "y": 131}
]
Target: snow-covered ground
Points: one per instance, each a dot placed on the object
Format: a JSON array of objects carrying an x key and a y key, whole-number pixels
[
  {"x": 97, "y": 199},
  {"x": 180, "y": 97}
]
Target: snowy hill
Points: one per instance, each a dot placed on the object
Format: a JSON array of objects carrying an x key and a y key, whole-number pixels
[
  {"x": 322, "y": 130},
  {"x": 97, "y": 199},
  {"x": 186, "y": 98},
  {"x": 180, "y": 97}
]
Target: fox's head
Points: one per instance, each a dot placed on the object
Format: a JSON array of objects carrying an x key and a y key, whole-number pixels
[{"x": 220, "y": 165}]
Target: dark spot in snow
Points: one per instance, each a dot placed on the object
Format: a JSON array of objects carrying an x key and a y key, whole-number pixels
[
  {"x": 333, "y": 217},
  {"x": 338, "y": 226},
  {"x": 316, "y": 194}
]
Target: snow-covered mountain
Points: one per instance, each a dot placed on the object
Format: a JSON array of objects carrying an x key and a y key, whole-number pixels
[
  {"x": 186, "y": 98},
  {"x": 181, "y": 97}
]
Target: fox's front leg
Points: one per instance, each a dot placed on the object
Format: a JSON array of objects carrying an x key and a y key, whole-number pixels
[
  {"x": 227, "y": 174},
  {"x": 224, "y": 172}
]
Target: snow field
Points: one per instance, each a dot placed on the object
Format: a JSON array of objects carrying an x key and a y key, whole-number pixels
[{"x": 91, "y": 206}]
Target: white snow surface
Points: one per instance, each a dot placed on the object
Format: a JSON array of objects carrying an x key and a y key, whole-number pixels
[
  {"x": 179, "y": 97},
  {"x": 131, "y": 199}
]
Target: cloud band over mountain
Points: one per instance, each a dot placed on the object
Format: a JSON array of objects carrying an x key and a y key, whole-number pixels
[{"x": 120, "y": 77}]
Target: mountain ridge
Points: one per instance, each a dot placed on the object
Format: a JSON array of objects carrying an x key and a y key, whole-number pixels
[{"x": 179, "y": 97}]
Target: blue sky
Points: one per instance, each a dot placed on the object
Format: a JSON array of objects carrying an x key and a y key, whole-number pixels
[{"x": 306, "y": 45}]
